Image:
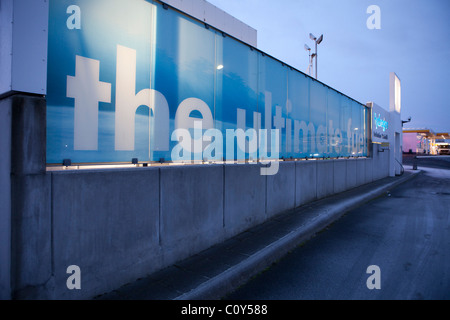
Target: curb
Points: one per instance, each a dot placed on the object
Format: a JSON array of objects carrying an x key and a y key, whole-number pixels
[{"x": 229, "y": 280}]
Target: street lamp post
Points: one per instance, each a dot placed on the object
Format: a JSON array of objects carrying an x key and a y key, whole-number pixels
[{"x": 317, "y": 41}]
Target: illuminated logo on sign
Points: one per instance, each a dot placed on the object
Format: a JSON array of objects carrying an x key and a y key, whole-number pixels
[{"x": 380, "y": 123}]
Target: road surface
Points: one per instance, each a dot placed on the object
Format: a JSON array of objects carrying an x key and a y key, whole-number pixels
[{"x": 405, "y": 233}]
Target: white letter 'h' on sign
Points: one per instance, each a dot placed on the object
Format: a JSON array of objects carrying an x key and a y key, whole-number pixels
[{"x": 127, "y": 102}]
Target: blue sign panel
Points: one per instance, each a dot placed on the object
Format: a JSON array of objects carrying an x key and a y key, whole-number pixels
[{"x": 131, "y": 79}]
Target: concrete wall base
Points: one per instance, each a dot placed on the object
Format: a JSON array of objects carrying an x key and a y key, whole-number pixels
[{"x": 121, "y": 225}]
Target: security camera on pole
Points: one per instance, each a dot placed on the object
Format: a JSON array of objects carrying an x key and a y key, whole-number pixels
[{"x": 310, "y": 59}]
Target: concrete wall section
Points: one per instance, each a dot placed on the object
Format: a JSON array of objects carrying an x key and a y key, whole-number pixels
[
  {"x": 384, "y": 166},
  {"x": 28, "y": 135},
  {"x": 361, "y": 172},
  {"x": 380, "y": 162},
  {"x": 281, "y": 189},
  {"x": 191, "y": 209},
  {"x": 107, "y": 223},
  {"x": 340, "y": 176},
  {"x": 351, "y": 173},
  {"x": 325, "y": 178},
  {"x": 5, "y": 198},
  {"x": 30, "y": 197},
  {"x": 31, "y": 236},
  {"x": 121, "y": 225},
  {"x": 369, "y": 170},
  {"x": 244, "y": 197},
  {"x": 305, "y": 182}
]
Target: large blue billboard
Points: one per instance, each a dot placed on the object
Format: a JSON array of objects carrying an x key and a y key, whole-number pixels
[{"x": 135, "y": 79}]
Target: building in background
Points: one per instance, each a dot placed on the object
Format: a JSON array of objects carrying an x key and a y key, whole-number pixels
[{"x": 425, "y": 141}]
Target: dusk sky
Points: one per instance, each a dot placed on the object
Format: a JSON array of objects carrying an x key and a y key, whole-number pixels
[{"x": 413, "y": 42}]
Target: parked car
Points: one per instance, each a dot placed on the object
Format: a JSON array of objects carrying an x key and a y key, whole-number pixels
[{"x": 443, "y": 148}]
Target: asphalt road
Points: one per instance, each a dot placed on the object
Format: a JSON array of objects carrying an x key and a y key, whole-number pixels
[{"x": 406, "y": 233}]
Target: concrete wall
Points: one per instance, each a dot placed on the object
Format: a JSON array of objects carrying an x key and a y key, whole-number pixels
[
  {"x": 123, "y": 224},
  {"x": 244, "y": 197},
  {"x": 30, "y": 194},
  {"x": 381, "y": 162},
  {"x": 191, "y": 207},
  {"x": 280, "y": 194},
  {"x": 5, "y": 198},
  {"x": 305, "y": 182},
  {"x": 325, "y": 178},
  {"x": 340, "y": 176}
]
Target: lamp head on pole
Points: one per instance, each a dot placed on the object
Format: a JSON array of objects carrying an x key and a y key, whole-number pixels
[{"x": 320, "y": 39}]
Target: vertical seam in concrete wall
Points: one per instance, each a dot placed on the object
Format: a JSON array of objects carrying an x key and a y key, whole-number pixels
[
  {"x": 295, "y": 184},
  {"x": 223, "y": 196},
  {"x": 373, "y": 162},
  {"x": 159, "y": 206},
  {"x": 316, "y": 164},
  {"x": 52, "y": 224},
  {"x": 334, "y": 176},
  {"x": 265, "y": 199},
  {"x": 317, "y": 179},
  {"x": 391, "y": 165},
  {"x": 6, "y": 217}
]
